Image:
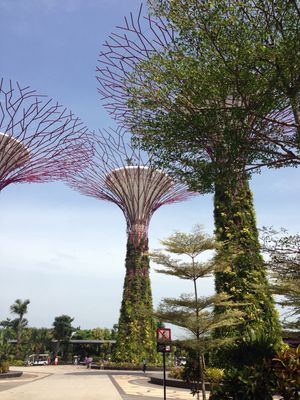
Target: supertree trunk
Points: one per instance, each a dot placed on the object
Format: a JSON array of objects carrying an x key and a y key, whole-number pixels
[
  {"x": 244, "y": 277},
  {"x": 136, "y": 332}
]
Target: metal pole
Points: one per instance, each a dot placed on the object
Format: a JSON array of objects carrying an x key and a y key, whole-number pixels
[{"x": 164, "y": 367}]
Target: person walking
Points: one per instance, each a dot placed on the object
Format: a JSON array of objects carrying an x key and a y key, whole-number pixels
[{"x": 144, "y": 366}]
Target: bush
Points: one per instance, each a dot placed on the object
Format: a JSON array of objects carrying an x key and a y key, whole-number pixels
[
  {"x": 249, "y": 383},
  {"x": 286, "y": 369},
  {"x": 126, "y": 366},
  {"x": 281, "y": 377},
  {"x": 4, "y": 367},
  {"x": 214, "y": 374},
  {"x": 176, "y": 373},
  {"x": 17, "y": 363}
]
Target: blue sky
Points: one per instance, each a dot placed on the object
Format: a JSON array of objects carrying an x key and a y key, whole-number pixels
[{"x": 63, "y": 251}]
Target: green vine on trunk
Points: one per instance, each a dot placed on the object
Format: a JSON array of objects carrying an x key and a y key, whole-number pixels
[
  {"x": 244, "y": 277},
  {"x": 136, "y": 339}
]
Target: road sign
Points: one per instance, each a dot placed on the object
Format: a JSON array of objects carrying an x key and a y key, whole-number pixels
[
  {"x": 163, "y": 335},
  {"x": 163, "y": 348}
]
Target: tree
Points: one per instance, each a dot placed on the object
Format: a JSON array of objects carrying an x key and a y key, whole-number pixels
[
  {"x": 190, "y": 311},
  {"x": 283, "y": 252},
  {"x": 39, "y": 340},
  {"x": 196, "y": 90},
  {"x": 62, "y": 329},
  {"x": 20, "y": 308}
]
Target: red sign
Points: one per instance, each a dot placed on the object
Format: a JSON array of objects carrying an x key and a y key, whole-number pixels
[{"x": 163, "y": 334}]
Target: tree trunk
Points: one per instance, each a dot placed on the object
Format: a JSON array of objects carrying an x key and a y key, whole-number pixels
[
  {"x": 202, "y": 367},
  {"x": 244, "y": 278},
  {"x": 18, "y": 345},
  {"x": 136, "y": 339}
]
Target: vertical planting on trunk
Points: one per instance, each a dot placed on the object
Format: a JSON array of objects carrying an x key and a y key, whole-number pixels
[
  {"x": 244, "y": 277},
  {"x": 136, "y": 331}
]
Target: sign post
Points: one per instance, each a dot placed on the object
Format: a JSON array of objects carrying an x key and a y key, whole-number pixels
[{"x": 163, "y": 336}]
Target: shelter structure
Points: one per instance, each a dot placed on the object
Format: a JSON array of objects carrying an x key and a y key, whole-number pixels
[
  {"x": 39, "y": 139},
  {"x": 123, "y": 175}
]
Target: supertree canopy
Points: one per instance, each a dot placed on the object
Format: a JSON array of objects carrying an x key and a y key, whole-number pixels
[
  {"x": 123, "y": 175},
  {"x": 39, "y": 139}
]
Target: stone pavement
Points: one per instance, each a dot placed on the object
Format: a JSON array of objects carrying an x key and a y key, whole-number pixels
[{"x": 78, "y": 382}]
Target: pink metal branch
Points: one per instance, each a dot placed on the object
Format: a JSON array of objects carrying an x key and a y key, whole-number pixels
[
  {"x": 39, "y": 139},
  {"x": 123, "y": 175},
  {"x": 120, "y": 67}
]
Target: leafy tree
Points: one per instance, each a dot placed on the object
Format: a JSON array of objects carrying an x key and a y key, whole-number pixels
[
  {"x": 191, "y": 311},
  {"x": 20, "y": 308},
  {"x": 283, "y": 251},
  {"x": 93, "y": 334},
  {"x": 39, "y": 340},
  {"x": 62, "y": 329},
  {"x": 6, "y": 333}
]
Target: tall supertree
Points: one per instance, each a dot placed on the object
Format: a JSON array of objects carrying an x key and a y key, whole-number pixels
[
  {"x": 39, "y": 139},
  {"x": 194, "y": 92},
  {"x": 123, "y": 175}
]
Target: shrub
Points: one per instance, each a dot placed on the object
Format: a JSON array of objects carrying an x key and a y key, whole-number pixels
[
  {"x": 4, "y": 367},
  {"x": 176, "y": 373},
  {"x": 17, "y": 363},
  {"x": 214, "y": 374},
  {"x": 286, "y": 369},
  {"x": 249, "y": 383}
]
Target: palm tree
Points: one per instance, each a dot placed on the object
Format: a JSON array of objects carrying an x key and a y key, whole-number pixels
[{"x": 20, "y": 308}]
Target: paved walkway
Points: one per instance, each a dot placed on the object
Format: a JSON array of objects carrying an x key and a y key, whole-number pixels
[{"x": 78, "y": 382}]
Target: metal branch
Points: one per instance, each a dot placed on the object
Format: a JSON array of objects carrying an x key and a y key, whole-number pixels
[
  {"x": 39, "y": 139},
  {"x": 124, "y": 175},
  {"x": 119, "y": 69}
]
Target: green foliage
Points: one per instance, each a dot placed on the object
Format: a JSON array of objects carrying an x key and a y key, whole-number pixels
[
  {"x": 283, "y": 253},
  {"x": 287, "y": 373},
  {"x": 20, "y": 308},
  {"x": 136, "y": 328},
  {"x": 4, "y": 350},
  {"x": 190, "y": 311},
  {"x": 16, "y": 363},
  {"x": 176, "y": 373},
  {"x": 214, "y": 375},
  {"x": 248, "y": 383},
  {"x": 39, "y": 340},
  {"x": 62, "y": 327},
  {"x": 244, "y": 276},
  {"x": 261, "y": 382},
  {"x": 4, "y": 366},
  {"x": 94, "y": 334},
  {"x": 202, "y": 104},
  {"x": 62, "y": 331}
]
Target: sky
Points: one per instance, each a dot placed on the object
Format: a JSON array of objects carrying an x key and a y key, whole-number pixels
[{"x": 64, "y": 251}]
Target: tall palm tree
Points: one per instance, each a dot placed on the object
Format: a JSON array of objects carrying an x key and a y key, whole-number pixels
[{"x": 19, "y": 308}]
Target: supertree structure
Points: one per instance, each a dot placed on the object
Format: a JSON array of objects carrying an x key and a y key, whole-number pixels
[
  {"x": 168, "y": 88},
  {"x": 123, "y": 175},
  {"x": 39, "y": 139},
  {"x": 122, "y": 78}
]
